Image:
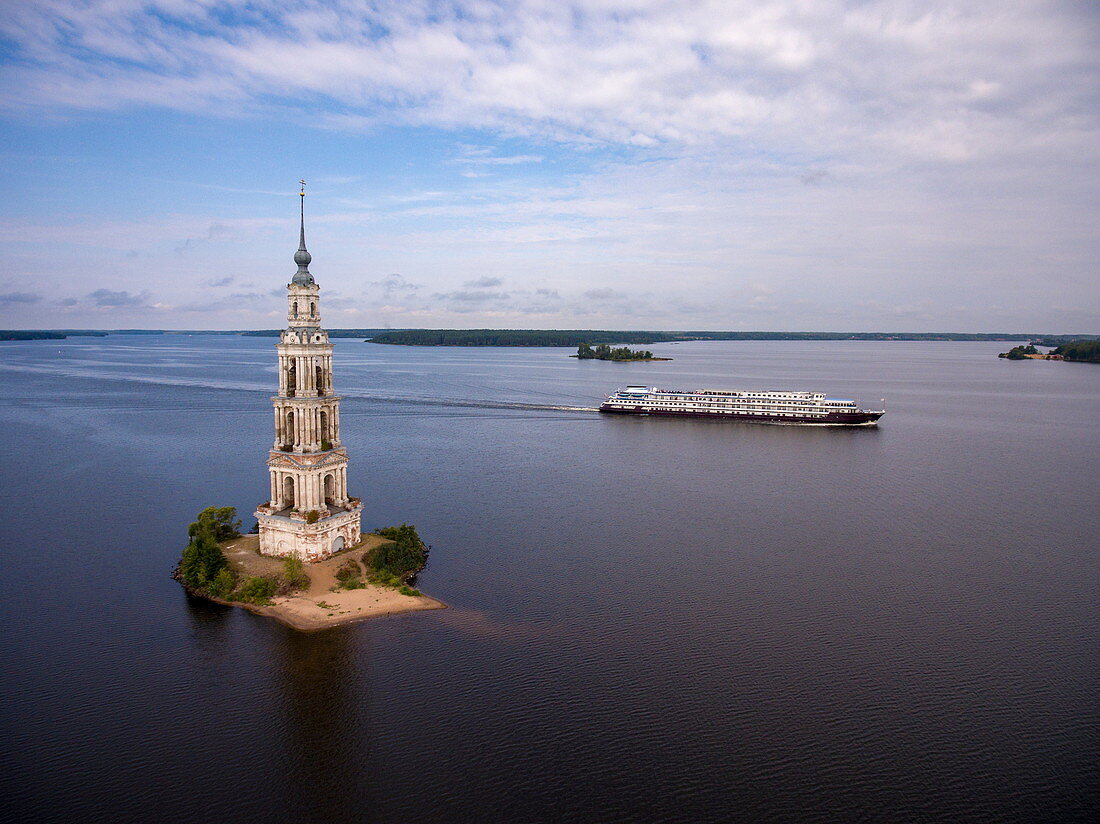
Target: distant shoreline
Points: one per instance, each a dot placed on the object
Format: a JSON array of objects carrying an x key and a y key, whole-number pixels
[
  {"x": 556, "y": 337},
  {"x": 576, "y": 337}
]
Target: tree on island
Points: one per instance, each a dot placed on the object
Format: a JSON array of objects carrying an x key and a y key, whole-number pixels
[
  {"x": 393, "y": 563},
  {"x": 203, "y": 565},
  {"x": 219, "y": 521}
]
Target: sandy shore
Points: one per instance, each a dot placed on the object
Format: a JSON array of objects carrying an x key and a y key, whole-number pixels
[{"x": 320, "y": 607}]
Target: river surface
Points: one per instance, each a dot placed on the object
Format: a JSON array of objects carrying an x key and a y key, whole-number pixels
[{"x": 651, "y": 620}]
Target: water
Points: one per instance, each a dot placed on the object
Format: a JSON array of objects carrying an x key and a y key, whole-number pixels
[{"x": 651, "y": 620}]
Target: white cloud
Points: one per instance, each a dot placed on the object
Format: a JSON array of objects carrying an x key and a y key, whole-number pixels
[
  {"x": 778, "y": 163},
  {"x": 930, "y": 80}
]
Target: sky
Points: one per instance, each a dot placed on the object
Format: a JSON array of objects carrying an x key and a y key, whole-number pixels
[{"x": 779, "y": 165}]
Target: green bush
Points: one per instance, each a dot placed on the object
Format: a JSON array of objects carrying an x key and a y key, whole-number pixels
[
  {"x": 294, "y": 575},
  {"x": 313, "y": 516},
  {"x": 256, "y": 591},
  {"x": 349, "y": 569},
  {"x": 405, "y": 590},
  {"x": 383, "y": 579},
  {"x": 349, "y": 574},
  {"x": 201, "y": 561},
  {"x": 223, "y": 584},
  {"x": 404, "y": 556}
]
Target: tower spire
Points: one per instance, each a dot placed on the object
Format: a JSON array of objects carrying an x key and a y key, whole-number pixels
[{"x": 302, "y": 257}]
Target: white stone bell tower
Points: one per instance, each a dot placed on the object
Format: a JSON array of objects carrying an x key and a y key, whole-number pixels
[{"x": 310, "y": 513}]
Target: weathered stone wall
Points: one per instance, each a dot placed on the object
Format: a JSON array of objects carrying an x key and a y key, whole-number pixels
[{"x": 282, "y": 536}]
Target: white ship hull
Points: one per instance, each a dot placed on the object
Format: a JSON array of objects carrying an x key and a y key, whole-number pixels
[{"x": 791, "y": 408}]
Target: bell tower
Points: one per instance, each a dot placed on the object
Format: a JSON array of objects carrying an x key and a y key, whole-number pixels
[{"x": 310, "y": 513}]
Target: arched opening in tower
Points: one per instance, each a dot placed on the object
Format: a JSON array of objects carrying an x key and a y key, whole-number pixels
[
  {"x": 325, "y": 436},
  {"x": 330, "y": 490},
  {"x": 320, "y": 374},
  {"x": 291, "y": 438},
  {"x": 288, "y": 491},
  {"x": 294, "y": 311},
  {"x": 292, "y": 380},
  {"x": 312, "y": 309}
]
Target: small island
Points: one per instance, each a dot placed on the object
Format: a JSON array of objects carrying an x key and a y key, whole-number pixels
[
  {"x": 372, "y": 578},
  {"x": 1024, "y": 353},
  {"x": 620, "y": 354},
  {"x": 309, "y": 564},
  {"x": 1079, "y": 351}
]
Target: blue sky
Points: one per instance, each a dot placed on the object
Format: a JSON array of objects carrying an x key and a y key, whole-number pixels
[{"x": 776, "y": 165}]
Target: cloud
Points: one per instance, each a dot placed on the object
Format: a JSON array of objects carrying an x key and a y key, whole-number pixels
[
  {"x": 813, "y": 177},
  {"x": 20, "y": 297},
  {"x": 930, "y": 80},
  {"x": 108, "y": 298},
  {"x": 699, "y": 163},
  {"x": 603, "y": 294},
  {"x": 484, "y": 283},
  {"x": 501, "y": 161},
  {"x": 214, "y": 232},
  {"x": 216, "y": 282},
  {"x": 237, "y": 302},
  {"x": 465, "y": 296},
  {"x": 394, "y": 284}
]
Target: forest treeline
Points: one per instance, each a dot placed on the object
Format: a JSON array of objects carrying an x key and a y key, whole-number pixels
[
  {"x": 47, "y": 334},
  {"x": 332, "y": 333},
  {"x": 516, "y": 337},
  {"x": 1085, "y": 351},
  {"x": 575, "y": 337}
]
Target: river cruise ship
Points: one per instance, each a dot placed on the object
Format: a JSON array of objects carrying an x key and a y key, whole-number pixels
[{"x": 757, "y": 407}]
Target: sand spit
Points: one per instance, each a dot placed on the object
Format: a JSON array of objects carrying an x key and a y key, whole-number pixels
[{"x": 319, "y": 607}]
